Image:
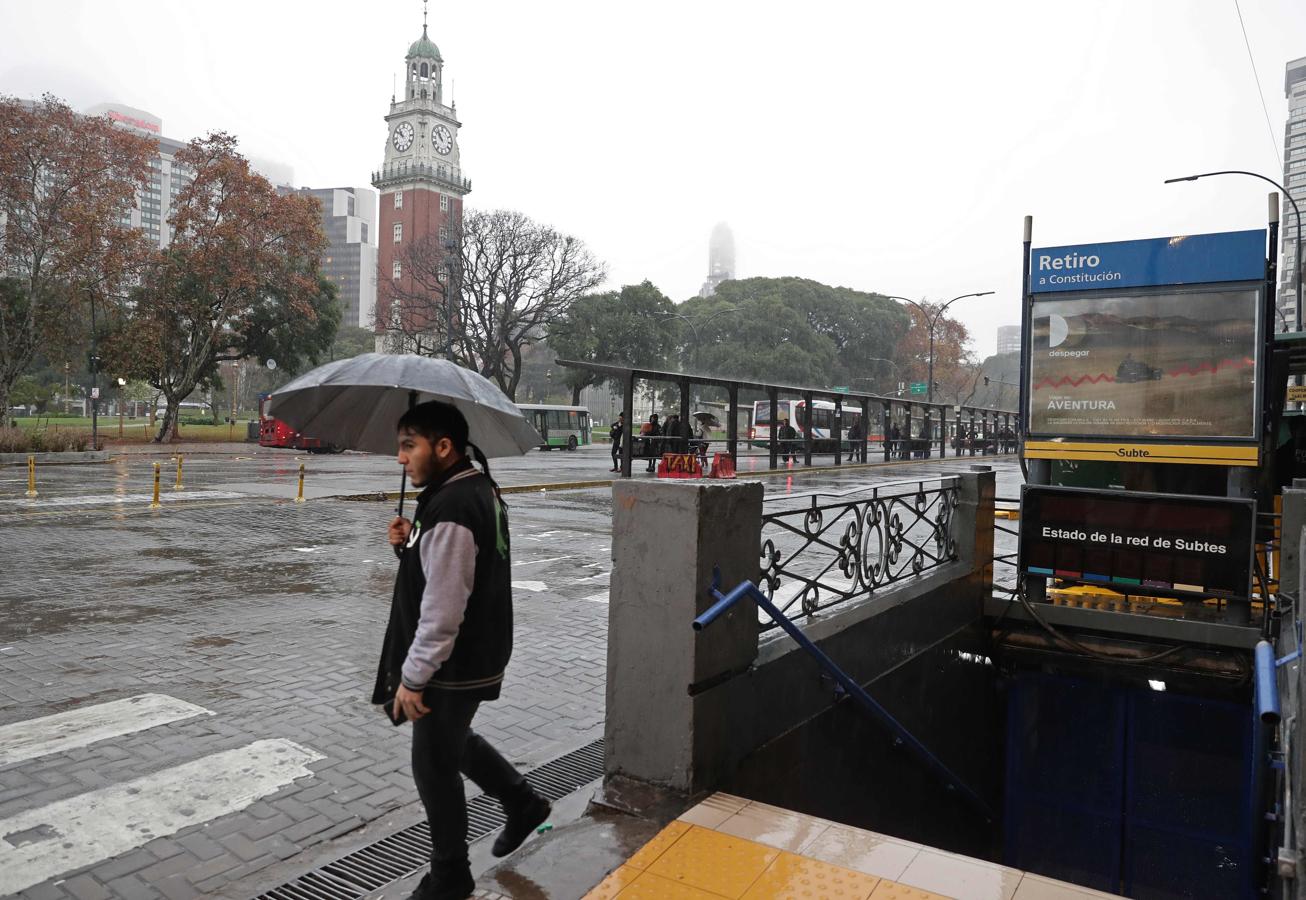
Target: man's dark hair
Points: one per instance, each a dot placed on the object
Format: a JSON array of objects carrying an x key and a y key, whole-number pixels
[{"x": 434, "y": 420}]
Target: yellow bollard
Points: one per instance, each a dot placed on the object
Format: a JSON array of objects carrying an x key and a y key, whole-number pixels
[
  {"x": 155, "y": 504},
  {"x": 177, "y": 486},
  {"x": 31, "y": 474},
  {"x": 300, "y": 498}
]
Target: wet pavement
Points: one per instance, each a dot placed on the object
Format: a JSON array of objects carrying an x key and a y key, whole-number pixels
[{"x": 267, "y": 615}]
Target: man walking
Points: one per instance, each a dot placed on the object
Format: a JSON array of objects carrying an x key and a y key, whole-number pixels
[
  {"x": 615, "y": 435},
  {"x": 448, "y": 641}
]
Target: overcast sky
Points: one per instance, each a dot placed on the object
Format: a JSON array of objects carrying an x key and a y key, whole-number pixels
[{"x": 890, "y": 147}]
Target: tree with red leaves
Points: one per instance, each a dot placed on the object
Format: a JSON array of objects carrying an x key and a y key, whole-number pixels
[
  {"x": 68, "y": 184},
  {"x": 240, "y": 280}
]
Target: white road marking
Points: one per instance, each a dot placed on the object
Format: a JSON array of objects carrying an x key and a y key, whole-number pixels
[
  {"x": 79, "y": 727},
  {"x": 42, "y": 843},
  {"x": 597, "y": 598},
  {"x": 121, "y": 499},
  {"x": 536, "y": 586},
  {"x": 532, "y": 562}
]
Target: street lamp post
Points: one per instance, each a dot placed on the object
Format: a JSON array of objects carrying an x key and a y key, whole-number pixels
[
  {"x": 121, "y": 383},
  {"x": 933, "y": 321},
  {"x": 1296, "y": 274}
]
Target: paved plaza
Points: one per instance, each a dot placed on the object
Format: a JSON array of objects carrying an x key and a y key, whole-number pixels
[{"x": 183, "y": 691}]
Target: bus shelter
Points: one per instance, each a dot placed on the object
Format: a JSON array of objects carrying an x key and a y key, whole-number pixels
[{"x": 903, "y": 428}]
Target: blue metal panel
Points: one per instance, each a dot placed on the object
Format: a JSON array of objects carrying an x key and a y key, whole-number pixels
[
  {"x": 1065, "y": 781},
  {"x": 1185, "y": 259},
  {"x": 1151, "y": 794},
  {"x": 1188, "y": 829}
]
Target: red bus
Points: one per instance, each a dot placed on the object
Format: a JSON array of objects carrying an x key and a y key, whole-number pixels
[{"x": 272, "y": 432}]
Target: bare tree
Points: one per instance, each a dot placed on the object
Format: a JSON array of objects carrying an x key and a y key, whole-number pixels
[{"x": 509, "y": 278}]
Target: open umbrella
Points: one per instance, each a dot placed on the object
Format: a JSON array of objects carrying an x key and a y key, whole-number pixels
[
  {"x": 356, "y": 403},
  {"x": 707, "y": 418}
]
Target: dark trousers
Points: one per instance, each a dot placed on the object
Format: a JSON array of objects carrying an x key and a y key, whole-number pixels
[{"x": 444, "y": 749}]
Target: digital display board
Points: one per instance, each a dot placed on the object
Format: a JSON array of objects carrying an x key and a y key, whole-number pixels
[
  {"x": 1134, "y": 542},
  {"x": 1178, "y": 364}
]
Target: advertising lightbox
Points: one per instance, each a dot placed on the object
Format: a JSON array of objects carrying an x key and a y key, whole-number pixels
[
  {"x": 1154, "y": 340},
  {"x": 1160, "y": 365}
]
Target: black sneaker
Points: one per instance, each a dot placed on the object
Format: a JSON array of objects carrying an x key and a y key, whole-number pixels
[
  {"x": 521, "y": 822},
  {"x": 452, "y": 886}
]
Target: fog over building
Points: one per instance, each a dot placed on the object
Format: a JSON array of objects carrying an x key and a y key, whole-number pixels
[
  {"x": 1008, "y": 339},
  {"x": 1294, "y": 179},
  {"x": 167, "y": 178},
  {"x": 720, "y": 259}
]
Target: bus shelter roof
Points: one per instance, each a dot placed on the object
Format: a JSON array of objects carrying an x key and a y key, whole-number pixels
[{"x": 625, "y": 372}]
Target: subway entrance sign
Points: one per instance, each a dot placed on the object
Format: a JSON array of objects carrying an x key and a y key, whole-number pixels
[
  {"x": 1139, "y": 543},
  {"x": 1152, "y": 341}
]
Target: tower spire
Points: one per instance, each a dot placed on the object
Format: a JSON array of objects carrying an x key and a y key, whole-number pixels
[{"x": 424, "y": 2}]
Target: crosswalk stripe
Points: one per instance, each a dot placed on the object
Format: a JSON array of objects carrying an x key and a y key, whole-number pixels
[
  {"x": 40, "y": 844},
  {"x": 79, "y": 727}
]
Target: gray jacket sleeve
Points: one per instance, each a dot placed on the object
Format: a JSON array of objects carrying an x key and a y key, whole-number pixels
[{"x": 448, "y": 554}]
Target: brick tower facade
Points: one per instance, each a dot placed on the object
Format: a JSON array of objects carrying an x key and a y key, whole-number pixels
[{"x": 421, "y": 189}]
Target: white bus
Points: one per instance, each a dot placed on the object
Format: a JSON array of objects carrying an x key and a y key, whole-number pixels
[
  {"x": 560, "y": 426},
  {"x": 795, "y": 411}
]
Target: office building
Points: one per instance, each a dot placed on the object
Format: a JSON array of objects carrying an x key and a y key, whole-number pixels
[
  {"x": 720, "y": 259},
  {"x": 1294, "y": 179},
  {"x": 1008, "y": 339},
  {"x": 349, "y": 221}
]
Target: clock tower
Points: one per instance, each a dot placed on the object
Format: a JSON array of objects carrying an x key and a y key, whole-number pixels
[{"x": 422, "y": 188}]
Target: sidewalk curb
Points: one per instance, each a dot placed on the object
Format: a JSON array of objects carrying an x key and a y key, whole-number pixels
[
  {"x": 608, "y": 482},
  {"x": 63, "y": 458}
]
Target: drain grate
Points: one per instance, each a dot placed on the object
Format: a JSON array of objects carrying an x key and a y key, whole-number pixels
[{"x": 404, "y": 852}]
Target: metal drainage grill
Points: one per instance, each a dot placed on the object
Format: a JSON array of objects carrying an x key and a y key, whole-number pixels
[{"x": 404, "y": 852}]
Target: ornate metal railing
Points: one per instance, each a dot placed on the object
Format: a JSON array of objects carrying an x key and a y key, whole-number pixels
[{"x": 822, "y": 549}]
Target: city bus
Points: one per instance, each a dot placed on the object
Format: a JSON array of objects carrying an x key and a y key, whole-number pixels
[
  {"x": 822, "y": 424},
  {"x": 560, "y": 426}
]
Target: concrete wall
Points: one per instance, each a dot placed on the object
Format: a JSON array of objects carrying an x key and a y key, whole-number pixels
[{"x": 685, "y": 709}]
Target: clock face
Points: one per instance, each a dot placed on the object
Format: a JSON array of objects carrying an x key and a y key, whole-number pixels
[
  {"x": 403, "y": 138},
  {"x": 442, "y": 140}
]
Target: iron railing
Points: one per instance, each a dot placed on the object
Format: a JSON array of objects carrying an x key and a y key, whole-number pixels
[{"x": 821, "y": 549}]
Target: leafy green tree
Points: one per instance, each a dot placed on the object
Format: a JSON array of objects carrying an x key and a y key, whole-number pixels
[
  {"x": 351, "y": 340},
  {"x": 631, "y": 327},
  {"x": 791, "y": 330},
  {"x": 30, "y": 392}
]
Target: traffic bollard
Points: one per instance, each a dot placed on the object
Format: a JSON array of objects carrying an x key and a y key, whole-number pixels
[
  {"x": 155, "y": 504},
  {"x": 31, "y": 474},
  {"x": 300, "y": 498},
  {"x": 177, "y": 486}
]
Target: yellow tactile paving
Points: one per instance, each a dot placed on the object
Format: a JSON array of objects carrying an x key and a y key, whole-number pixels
[
  {"x": 708, "y": 855},
  {"x": 800, "y": 878},
  {"x": 620, "y": 877},
  {"x": 710, "y": 861},
  {"x": 645, "y": 855},
  {"x": 654, "y": 887},
  {"x": 891, "y": 890}
]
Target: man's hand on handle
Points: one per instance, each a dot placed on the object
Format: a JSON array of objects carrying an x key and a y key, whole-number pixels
[{"x": 398, "y": 531}]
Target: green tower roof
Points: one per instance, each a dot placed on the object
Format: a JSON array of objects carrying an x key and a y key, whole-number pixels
[{"x": 424, "y": 46}]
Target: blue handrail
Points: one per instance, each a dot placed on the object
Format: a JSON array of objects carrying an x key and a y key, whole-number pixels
[{"x": 747, "y": 589}]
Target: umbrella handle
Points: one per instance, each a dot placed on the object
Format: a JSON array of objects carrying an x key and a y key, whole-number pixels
[{"x": 403, "y": 477}]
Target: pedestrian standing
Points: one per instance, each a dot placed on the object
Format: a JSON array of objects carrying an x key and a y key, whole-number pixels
[
  {"x": 788, "y": 435},
  {"x": 651, "y": 431},
  {"x": 448, "y": 642},
  {"x": 615, "y": 434}
]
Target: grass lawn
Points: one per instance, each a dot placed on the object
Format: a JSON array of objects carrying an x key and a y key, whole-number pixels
[{"x": 136, "y": 431}]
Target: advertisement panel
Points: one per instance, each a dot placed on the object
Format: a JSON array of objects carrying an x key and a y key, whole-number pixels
[
  {"x": 1176, "y": 364},
  {"x": 1135, "y": 542}
]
